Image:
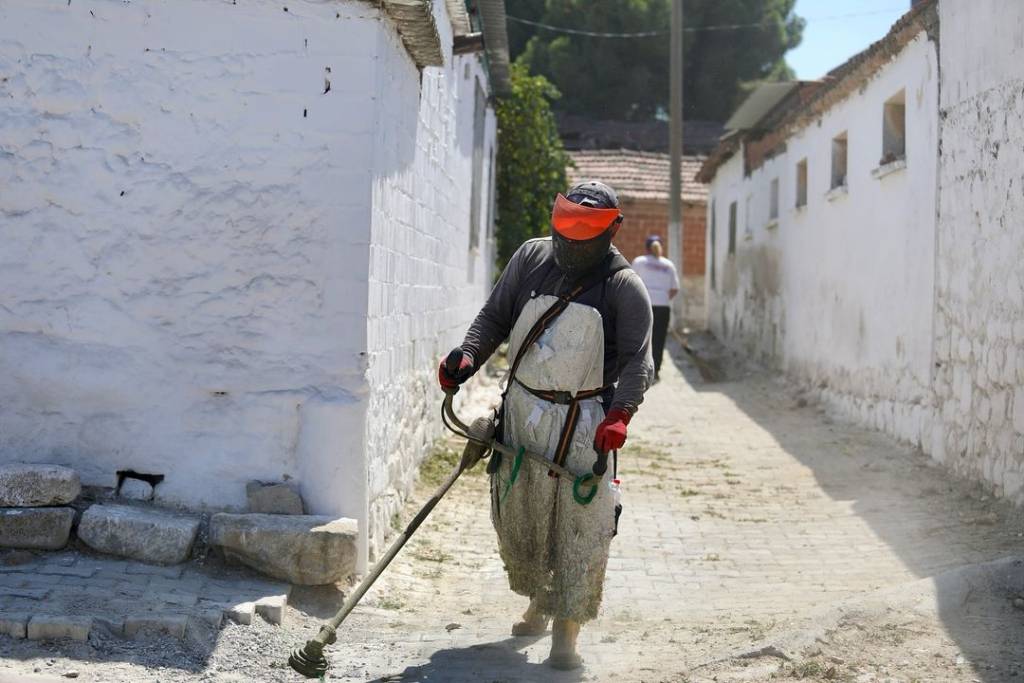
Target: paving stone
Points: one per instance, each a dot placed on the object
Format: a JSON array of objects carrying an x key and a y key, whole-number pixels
[
  {"x": 178, "y": 599},
  {"x": 170, "y": 572},
  {"x": 272, "y": 608},
  {"x": 276, "y": 498},
  {"x": 50, "y": 626},
  {"x": 25, "y": 485},
  {"x": 301, "y": 549},
  {"x": 147, "y": 535},
  {"x": 38, "y": 528},
  {"x": 30, "y": 593},
  {"x": 171, "y": 624},
  {"x": 70, "y": 570},
  {"x": 13, "y": 624}
]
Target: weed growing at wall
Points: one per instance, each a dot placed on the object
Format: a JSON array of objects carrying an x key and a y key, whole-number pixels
[{"x": 531, "y": 161}]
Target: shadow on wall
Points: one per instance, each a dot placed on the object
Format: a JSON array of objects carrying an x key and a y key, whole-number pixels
[{"x": 930, "y": 520}]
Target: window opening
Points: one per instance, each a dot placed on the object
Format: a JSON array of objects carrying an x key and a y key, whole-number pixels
[
  {"x": 894, "y": 129},
  {"x": 714, "y": 255},
  {"x": 801, "y": 183},
  {"x": 839, "y": 160},
  {"x": 732, "y": 228}
]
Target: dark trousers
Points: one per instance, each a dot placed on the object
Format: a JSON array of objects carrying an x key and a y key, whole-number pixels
[{"x": 658, "y": 331}]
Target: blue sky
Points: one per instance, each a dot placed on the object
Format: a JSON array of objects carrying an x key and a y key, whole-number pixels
[{"x": 838, "y": 29}]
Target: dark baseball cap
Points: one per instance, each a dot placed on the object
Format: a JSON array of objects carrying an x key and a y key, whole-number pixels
[{"x": 593, "y": 193}]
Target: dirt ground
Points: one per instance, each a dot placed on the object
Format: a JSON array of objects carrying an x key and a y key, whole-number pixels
[{"x": 761, "y": 540}]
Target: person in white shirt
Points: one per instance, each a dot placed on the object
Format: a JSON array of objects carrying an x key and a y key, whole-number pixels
[{"x": 659, "y": 275}]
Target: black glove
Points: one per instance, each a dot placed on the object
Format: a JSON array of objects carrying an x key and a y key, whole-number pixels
[{"x": 455, "y": 369}]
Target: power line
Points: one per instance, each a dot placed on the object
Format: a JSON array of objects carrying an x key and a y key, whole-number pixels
[{"x": 650, "y": 34}]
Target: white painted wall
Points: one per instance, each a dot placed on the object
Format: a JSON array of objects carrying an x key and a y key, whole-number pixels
[
  {"x": 979, "y": 351},
  {"x": 199, "y": 280},
  {"x": 838, "y": 294}
]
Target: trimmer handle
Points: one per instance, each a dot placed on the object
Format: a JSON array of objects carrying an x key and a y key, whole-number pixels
[
  {"x": 453, "y": 362},
  {"x": 601, "y": 464}
]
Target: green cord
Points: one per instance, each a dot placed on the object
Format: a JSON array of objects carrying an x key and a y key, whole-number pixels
[
  {"x": 577, "y": 496},
  {"x": 514, "y": 474}
]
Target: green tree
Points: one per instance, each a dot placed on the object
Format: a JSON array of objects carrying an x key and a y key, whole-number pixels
[
  {"x": 531, "y": 161},
  {"x": 627, "y": 78}
]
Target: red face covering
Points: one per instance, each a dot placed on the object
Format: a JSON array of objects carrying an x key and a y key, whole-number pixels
[{"x": 579, "y": 223}]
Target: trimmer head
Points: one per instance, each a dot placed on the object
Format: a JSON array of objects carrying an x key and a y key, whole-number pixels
[{"x": 309, "y": 659}]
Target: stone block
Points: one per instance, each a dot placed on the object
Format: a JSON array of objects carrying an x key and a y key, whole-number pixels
[
  {"x": 135, "y": 489},
  {"x": 51, "y": 626},
  {"x": 143, "y": 534},
  {"x": 280, "y": 498},
  {"x": 241, "y": 613},
  {"x": 302, "y": 549},
  {"x": 13, "y": 624},
  {"x": 24, "y": 485},
  {"x": 40, "y": 528},
  {"x": 171, "y": 624},
  {"x": 272, "y": 608}
]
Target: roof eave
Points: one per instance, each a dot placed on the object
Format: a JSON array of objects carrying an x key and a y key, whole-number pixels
[
  {"x": 495, "y": 30},
  {"x": 414, "y": 20}
]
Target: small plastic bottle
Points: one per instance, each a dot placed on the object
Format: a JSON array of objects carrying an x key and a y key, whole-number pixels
[{"x": 616, "y": 488}]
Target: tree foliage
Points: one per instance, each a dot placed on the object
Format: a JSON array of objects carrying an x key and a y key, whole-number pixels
[
  {"x": 531, "y": 161},
  {"x": 628, "y": 78}
]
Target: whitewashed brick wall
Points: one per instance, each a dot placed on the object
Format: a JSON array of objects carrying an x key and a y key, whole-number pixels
[
  {"x": 425, "y": 283},
  {"x": 839, "y": 293},
  {"x": 979, "y": 351}
]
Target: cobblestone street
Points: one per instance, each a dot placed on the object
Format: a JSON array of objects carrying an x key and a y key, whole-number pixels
[{"x": 748, "y": 516}]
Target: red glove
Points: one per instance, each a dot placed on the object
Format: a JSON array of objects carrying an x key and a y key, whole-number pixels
[
  {"x": 611, "y": 433},
  {"x": 455, "y": 369}
]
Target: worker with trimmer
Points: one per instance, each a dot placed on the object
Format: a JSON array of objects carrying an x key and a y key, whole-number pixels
[{"x": 578, "y": 322}]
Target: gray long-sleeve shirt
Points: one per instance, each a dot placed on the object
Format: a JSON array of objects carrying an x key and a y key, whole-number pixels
[{"x": 621, "y": 299}]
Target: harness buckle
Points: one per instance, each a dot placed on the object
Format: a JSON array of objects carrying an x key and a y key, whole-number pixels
[{"x": 563, "y": 397}]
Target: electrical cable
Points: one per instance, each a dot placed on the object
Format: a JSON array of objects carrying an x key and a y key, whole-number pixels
[{"x": 651, "y": 34}]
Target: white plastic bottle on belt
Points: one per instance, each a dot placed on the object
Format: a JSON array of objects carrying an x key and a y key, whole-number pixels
[{"x": 616, "y": 489}]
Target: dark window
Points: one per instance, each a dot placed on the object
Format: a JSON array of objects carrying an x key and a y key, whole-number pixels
[
  {"x": 839, "y": 160},
  {"x": 773, "y": 200},
  {"x": 894, "y": 129},
  {"x": 714, "y": 256},
  {"x": 801, "y": 183},
  {"x": 732, "y": 228}
]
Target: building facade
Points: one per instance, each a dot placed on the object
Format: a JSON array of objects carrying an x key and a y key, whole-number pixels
[
  {"x": 236, "y": 253},
  {"x": 844, "y": 232},
  {"x": 641, "y": 180}
]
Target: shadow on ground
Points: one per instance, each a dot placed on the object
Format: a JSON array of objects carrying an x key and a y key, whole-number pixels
[
  {"x": 500, "y": 661},
  {"x": 932, "y": 521}
]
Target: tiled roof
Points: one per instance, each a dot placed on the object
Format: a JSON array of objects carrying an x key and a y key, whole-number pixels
[{"x": 636, "y": 175}]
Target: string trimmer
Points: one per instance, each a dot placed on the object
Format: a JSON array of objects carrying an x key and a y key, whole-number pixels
[{"x": 309, "y": 660}]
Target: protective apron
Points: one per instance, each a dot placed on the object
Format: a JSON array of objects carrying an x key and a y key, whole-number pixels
[{"x": 554, "y": 548}]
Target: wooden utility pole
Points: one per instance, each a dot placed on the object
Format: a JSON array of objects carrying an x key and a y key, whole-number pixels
[{"x": 675, "y": 226}]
